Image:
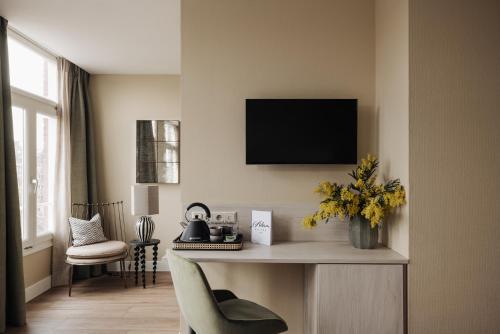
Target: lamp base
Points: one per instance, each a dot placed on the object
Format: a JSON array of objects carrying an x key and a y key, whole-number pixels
[{"x": 144, "y": 228}]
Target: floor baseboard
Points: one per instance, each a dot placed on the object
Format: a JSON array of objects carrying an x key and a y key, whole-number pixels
[
  {"x": 161, "y": 265},
  {"x": 38, "y": 288}
]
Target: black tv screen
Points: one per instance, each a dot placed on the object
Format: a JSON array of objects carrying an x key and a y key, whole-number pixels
[{"x": 316, "y": 131}]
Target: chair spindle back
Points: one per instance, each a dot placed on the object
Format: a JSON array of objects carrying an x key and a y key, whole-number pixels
[{"x": 112, "y": 218}]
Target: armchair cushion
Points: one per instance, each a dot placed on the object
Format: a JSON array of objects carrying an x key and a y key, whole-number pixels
[
  {"x": 223, "y": 295},
  {"x": 109, "y": 248},
  {"x": 255, "y": 317},
  {"x": 102, "y": 260}
]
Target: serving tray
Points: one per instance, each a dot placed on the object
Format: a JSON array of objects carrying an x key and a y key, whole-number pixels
[{"x": 223, "y": 246}]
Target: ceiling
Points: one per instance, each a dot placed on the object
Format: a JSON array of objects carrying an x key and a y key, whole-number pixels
[{"x": 103, "y": 36}]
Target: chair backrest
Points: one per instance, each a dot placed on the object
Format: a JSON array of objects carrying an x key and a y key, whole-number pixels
[
  {"x": 195, "y": 298},
  {"x": 112, "y": 218}
]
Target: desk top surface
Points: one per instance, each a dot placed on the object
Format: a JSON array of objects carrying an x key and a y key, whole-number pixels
[{"x": 298, "y": 252}]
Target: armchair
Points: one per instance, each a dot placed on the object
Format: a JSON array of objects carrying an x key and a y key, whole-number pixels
[{"x": 112, "y": 250}]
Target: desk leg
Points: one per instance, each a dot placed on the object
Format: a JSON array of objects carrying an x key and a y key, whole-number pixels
[
  {"x": 143, "y": 266},
  {"x": 155, "y": 259},
  {"x": 136, "y": 264}
]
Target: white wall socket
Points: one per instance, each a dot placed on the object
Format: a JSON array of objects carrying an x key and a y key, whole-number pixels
[{"x": 218, "y": 217}]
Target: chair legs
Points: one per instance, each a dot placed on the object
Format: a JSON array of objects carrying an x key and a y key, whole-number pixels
[
  {"x": 123, "y": 273},
  {"x": 70, "y": 279}
]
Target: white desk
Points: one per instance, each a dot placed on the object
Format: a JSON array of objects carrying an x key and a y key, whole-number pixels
[
  {"x": 347, "y": 290},
  {"x": 306, "y": 252}
]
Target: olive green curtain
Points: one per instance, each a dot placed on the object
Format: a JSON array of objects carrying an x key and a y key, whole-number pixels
[
  {"x": 75, "y": 107},
  {"x": 83, "y": 173},
  {"x": 12, "y": 300}
]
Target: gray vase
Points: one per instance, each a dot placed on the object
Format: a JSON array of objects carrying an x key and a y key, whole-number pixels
[{"x": 361, "y": 233}]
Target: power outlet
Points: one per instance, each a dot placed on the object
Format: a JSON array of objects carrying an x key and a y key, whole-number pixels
[
  {"x": 218, "y": 217},
  {"x": 230, "y": 217}
]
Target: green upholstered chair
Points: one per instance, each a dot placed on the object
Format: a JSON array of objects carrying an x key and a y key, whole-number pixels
[{"x": 217, "y": 311}]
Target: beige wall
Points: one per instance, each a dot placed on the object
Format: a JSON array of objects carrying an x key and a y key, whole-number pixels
[
  {"x": 454, "y": 271},
  {"x": 37, "y": 266},
  {"x": 232, "y": 50},
  {"x": 391, "y": 94},
  {"x": 118, "y": 101}
]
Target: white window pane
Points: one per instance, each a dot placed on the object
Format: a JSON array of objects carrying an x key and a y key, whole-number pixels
[
  {"x": 52, "y": 81},
  {"x": 32, "y": 71},
  {"x": 18, "y": 124},
  {"x": 45, "y": 164}
]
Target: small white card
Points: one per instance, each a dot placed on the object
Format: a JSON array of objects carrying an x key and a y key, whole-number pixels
[{"x": 262, "y": 227}]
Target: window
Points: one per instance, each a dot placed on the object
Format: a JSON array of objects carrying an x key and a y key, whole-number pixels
[
  {"x": 32, "y": 70},
  {"x": 33, "y": 75}
]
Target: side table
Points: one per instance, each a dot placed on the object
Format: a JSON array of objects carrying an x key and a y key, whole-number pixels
[{"x": 140, "y": 253}]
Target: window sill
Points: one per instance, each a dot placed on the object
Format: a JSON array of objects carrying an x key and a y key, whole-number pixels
[{"x": 39, "y": 245}]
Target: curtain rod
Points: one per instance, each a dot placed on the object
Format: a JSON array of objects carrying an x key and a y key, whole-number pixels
[{"x": 25, "y": 38}]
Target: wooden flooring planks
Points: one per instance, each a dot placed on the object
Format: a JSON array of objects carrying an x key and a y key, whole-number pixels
[{"x": 102, "y": 305}]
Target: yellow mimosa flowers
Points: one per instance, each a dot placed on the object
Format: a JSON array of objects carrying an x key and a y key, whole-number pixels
[{"x": 361, "y": 197}]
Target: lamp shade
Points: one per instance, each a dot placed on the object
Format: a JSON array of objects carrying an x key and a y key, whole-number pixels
[{"x": 144, "y": 200}]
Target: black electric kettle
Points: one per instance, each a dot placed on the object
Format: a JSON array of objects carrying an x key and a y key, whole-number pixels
[{"x": 197, "y": 229}]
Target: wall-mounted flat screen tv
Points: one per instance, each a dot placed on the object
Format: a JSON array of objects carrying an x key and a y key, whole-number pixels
[{"x": 301, "y": 131}]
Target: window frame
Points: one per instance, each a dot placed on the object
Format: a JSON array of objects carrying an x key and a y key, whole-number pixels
[
  {"x": 32, "y": 104},
  {"x": 33, "y": 46}
]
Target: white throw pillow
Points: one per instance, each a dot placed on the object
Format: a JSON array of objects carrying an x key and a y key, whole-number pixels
[{"x": 86, "y": 232}]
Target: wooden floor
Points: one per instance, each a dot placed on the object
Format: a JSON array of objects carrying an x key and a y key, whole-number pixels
[{"x": 103, "y": 305}]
